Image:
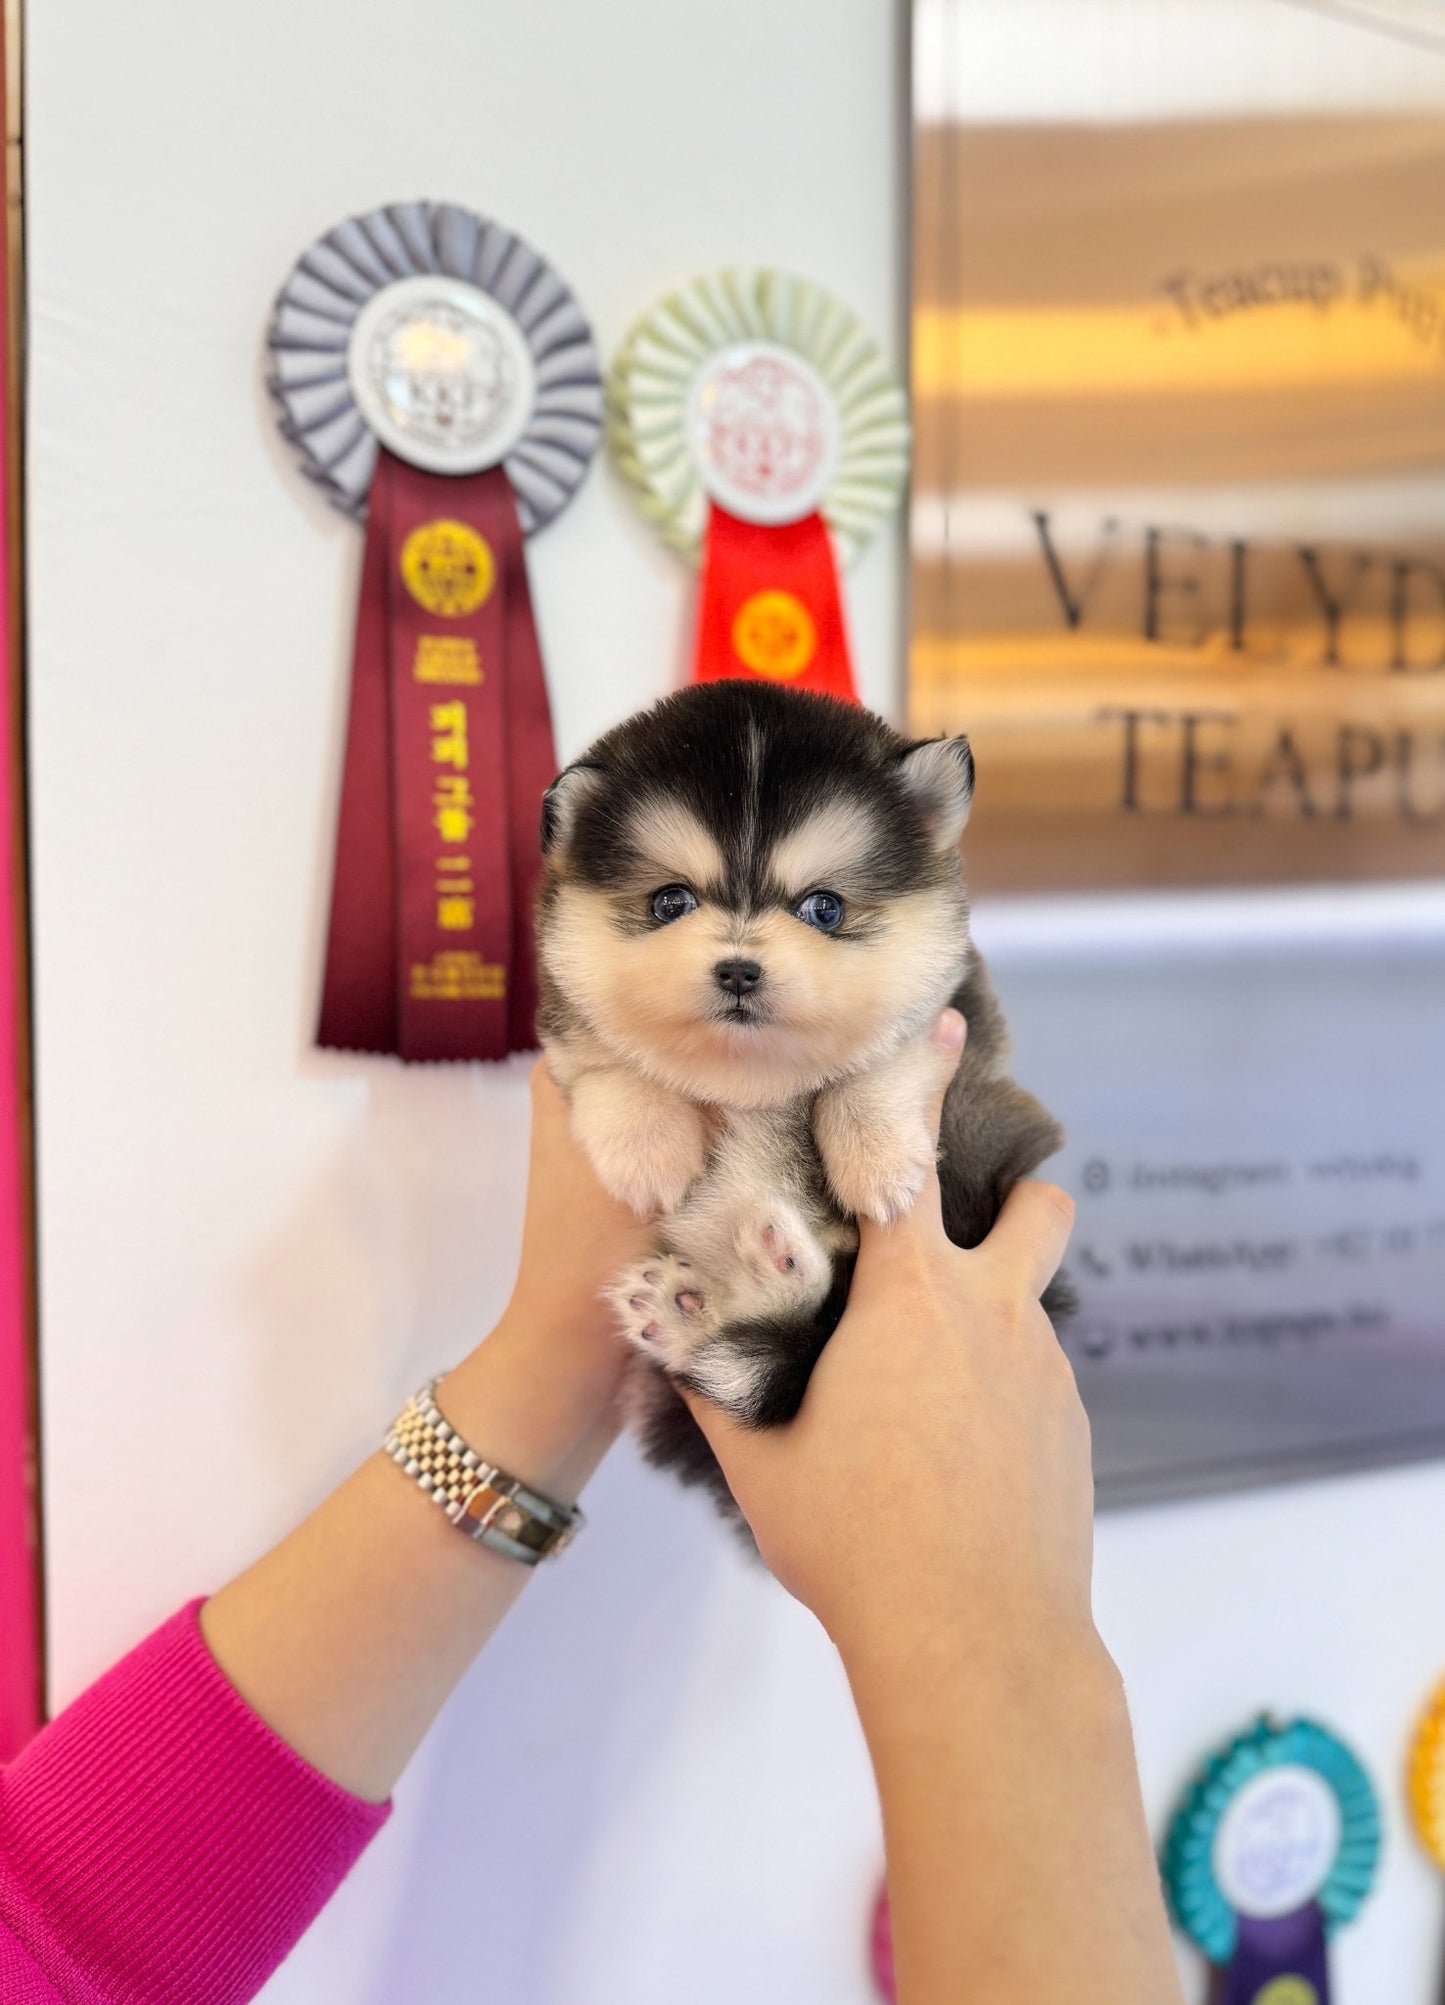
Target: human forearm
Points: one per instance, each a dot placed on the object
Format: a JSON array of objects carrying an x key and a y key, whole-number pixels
[
  {"x": 1019, "y": 1865},
  {"x": 349, "y": 1635},
  {"x": 932, "y": 1503}
]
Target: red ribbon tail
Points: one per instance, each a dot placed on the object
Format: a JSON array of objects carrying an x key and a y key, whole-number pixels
[{"x": 771, "y": 608}]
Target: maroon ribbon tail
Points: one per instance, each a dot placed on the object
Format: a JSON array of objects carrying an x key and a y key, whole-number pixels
[
  {"x": 430, "y": 949},
  {"x": 531, "y": 768},
  {"x": 358, "y": 996}
]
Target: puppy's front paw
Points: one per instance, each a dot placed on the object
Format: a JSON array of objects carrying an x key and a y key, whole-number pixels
[
  {"x": 647, "y": 1151},
  {"x": 663, "y": 1310},
  {"x": 881, "y": 1176}
]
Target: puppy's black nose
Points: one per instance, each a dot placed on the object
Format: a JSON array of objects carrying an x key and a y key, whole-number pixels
[{"x": 738, "y": 976}]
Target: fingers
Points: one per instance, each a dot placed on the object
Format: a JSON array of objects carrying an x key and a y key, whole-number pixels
[
  {"x": 736, "y": 1447},
  {"x": 946, "y": 1039},
  {"x": 551, "y": 1120},
  {"x": 945, "y": 1045},
  {"x": 545, "y": 1090},
  {"x": 1032, "y": 1231}
]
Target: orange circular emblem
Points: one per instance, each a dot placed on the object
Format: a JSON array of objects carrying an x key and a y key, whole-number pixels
[
  {"x": 774, "y": 635},
  {"x": 448, "y": 568}
]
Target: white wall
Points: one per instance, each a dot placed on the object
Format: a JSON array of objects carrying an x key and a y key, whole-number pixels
[{"x": 251, "y": 1253}]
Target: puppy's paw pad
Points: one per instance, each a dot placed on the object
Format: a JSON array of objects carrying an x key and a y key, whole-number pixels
[
  {"x": 661, "y": 1308},
  {"x": 780, "y": 1251},
  {"x": 778, "y": 1248}
]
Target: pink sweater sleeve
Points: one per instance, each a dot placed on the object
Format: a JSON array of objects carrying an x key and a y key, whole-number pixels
[{"x": 159, "y": 1845}]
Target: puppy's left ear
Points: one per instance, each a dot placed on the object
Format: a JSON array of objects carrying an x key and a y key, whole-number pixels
[
  {"x": 562, "y": 800},
  {"x": 939, "y": 775}
]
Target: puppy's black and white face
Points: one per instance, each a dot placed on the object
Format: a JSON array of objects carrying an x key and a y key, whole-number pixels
[{"x": 751, "y": 891}]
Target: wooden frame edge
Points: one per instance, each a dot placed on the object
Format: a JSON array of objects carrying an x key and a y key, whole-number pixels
[{"x": 21, "y": 1580}]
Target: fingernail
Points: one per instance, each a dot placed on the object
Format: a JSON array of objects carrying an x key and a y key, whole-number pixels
[{"x": 949, "y": 1031}]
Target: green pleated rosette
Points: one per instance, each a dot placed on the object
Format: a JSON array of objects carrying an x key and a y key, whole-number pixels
[
  {"x": 654, "y": 371},
  {"x": 1199, "y": 1906}
]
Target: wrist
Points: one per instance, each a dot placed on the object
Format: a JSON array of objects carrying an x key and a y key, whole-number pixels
[
  {"x": 912, "y": 1678},
  {"x": 541, "y": 1404}
]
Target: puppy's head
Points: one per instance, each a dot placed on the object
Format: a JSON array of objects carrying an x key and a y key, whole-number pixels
[{"x": 751, "y": 891}]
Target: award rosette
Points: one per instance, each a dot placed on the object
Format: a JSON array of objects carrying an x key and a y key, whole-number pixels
[
  {"x": 761, "y": 432},
  {"x": 1426, "y": 1782},
  {"x": 1273, "y": 1849},
  {"x": 436, "y": 376}
]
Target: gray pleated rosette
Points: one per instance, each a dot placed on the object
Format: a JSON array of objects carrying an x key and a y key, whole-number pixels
[{"x": 439, "y": 333}]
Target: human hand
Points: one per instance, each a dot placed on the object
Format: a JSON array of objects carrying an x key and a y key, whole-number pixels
[
  {"x": 575, "y": 1238},
  {"x": 933, "y": 1504},
  {"x": 936, "y": 1482},
  {"x": 542, "y": 1386}
]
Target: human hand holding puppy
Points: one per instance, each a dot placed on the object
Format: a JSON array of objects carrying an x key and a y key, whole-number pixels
[
  {"x": 937, "y": 1475},
  {"x": 932, "y": 1502}
]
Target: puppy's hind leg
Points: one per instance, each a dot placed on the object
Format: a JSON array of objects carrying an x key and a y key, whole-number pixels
[
  {"x": 758, "y": 1371},
  {"x": 735, "y": 1320},
  {"x": 740, "y": 1302},
  {"x": 664, "y": 1309},
  {"x": 748, "y": 1332}
]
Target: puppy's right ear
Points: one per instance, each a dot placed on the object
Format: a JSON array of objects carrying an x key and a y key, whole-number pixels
[
  {"x": 562, "y": 800},
  {"x": 939, "y": 775}
]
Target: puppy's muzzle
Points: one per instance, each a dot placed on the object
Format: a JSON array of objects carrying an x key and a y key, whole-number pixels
[{"x": 739, "y": 978}]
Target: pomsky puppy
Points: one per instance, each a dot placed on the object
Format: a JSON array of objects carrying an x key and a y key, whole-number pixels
[{"x": 752, "y": 911}]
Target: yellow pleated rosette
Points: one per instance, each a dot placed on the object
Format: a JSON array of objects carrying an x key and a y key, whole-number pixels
[{"x": 1426, "y": 1780}]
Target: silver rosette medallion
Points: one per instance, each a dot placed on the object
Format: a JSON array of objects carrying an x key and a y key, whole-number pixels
[{"x": 430, "y": 330}]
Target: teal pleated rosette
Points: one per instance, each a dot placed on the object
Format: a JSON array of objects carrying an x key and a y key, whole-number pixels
[{"x": 1195, "y": 1896}]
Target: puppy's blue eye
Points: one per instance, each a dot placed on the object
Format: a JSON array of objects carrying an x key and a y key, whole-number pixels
[
  {"x": 674, "y": 901},
  {"x": 822, "y": 909}
]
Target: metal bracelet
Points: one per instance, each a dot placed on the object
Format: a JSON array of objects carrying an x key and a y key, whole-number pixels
[{"x": 495, "y": 1509}]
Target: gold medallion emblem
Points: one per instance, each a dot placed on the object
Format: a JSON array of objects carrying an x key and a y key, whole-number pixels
[
  {"x": 1287, "y": 1991},
  {"x": 448, "y": 568},
  {"x": 774, "y": 635}
]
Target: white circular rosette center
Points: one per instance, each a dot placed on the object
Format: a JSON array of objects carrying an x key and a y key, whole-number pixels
[
  {"x": 760, "y": 392},
  {"x": 438, "y": 334},
  {"x": 1280, "y": 1817},
  {"x": 442, "y": 374},
  {"x": 1277, "y": 1842},
  {"x": 764, "y": 432}
]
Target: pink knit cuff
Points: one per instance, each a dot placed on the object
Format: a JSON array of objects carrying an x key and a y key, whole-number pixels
[{"x": 159, "y": 1843}]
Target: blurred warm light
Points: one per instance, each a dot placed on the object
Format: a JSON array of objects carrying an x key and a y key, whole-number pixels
[{"x": 1145, "y": 349}]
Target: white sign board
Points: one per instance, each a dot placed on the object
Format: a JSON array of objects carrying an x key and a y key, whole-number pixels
[{"x": 1255, "y": 1098}]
